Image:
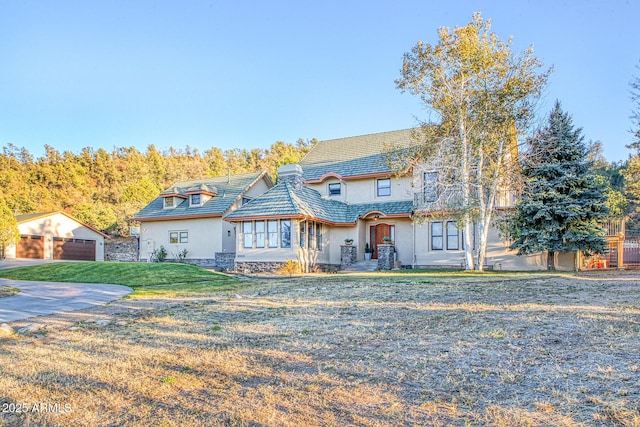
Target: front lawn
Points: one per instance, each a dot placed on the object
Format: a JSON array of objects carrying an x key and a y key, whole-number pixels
[
  {"x": 147, "y": 279},
  {"x": 343, "y": 350}
]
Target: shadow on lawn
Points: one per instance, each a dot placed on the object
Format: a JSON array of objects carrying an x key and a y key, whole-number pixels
[{"x": 343, "y": 353}]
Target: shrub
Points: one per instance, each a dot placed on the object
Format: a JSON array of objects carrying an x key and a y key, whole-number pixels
[
  {"x": 182, "y": 255},
  {"x": 290, "y": 267},
  {"x": 159, "y": 255}
]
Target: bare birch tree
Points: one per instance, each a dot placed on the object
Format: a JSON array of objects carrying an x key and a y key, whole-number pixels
[{"x": 482, "y": 97}]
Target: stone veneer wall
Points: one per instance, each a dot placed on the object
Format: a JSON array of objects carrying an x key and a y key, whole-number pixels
[
  {"x": 272, "y": 267},
  {"x": 225, "y": 261},
  {"x": 386, "y": 257},
  {"x": 200, "y": 262},
  {"x": 348, "y": 255},
  {"x": 121, "y": 249}
]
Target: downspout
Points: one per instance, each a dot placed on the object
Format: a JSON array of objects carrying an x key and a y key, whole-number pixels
[{"x": 413, "y": 229}]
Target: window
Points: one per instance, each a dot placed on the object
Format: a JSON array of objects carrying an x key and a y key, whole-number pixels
[
  {"x": 384, "y": 187},
  {"x": 318, "y": 236},
  {"x": 176, "y": 237},
  {"x": 312, "y": 234},
  {"x": 245, "y": 200},
  {"x": 196, "y": 199},
  {"x": 430, "y": 180},
  {"x": 436, "y": 236},
  {"x": 272, "y": 230},
  {"x": 335, "y": 189},
  {"x": 259, "y": 234},
  {"x": 168, "y": 202},
  {"x": 285, "y": 233},
  {"x": 453, "y": 236},
  {"x": 303, "y": 233},
  {"x": 247, "y": 232}
]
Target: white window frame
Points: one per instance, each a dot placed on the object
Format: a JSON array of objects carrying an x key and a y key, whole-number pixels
[
  {"x": 283, "y": 232},
  {"x": 247, "y": 235},
  {"x": 453, "y": 238},
  {"x": 259, "y": 233},
  {"x": 434, "y": 246},
  {"x": 272, "y": 234},
  {"x": 430, "y": 186}
]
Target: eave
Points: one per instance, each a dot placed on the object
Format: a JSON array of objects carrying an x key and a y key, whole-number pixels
[
  {"x": 348, "y": 177},
  {"x": 174, "y": 217}
]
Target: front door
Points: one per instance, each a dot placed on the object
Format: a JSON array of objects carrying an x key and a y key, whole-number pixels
[{"x": 377, "y": 234}]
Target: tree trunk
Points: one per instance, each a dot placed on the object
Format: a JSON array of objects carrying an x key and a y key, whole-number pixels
[
  {"x": 468, "y": 242},
  {"x": 551, "y": 265},
  {"x": 466, "y": 201},
  {"x": 487, "y": 203}
]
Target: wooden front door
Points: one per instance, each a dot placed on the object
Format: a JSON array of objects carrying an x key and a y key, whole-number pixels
[{"x": 377, "y": 234}]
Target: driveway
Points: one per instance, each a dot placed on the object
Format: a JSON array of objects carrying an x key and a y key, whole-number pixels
[{"x": 43, "y": 298}]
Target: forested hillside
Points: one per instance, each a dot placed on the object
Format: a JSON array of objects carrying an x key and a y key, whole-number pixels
[{"x": 104, "y": 189}]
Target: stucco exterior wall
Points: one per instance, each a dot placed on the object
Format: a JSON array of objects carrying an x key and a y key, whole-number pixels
[
  {"x": 502, "y": 258},
  {"x": 364, "y": 190},
  {"x": 57, "y": 225},
  {"x": 498, "y": 255},
  {"x": 204, "y": 237}
]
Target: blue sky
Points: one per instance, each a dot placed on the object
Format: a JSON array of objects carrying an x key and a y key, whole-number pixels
[{"x": 245, "y": 74}]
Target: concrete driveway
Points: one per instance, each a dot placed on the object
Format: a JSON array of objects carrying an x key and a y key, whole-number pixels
[{"x": 43, "y": 298}]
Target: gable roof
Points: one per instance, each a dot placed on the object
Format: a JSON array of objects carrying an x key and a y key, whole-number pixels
[
  {"x": 285, "y": 201},
  {"x": 228, "y": 190},
  {"x": 21, "y": 219},
  {"x": 356, "y": 156}
]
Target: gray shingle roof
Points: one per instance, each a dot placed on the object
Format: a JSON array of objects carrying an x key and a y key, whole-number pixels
[
  {"x": 354, "y": 156},
  {"x": 228, "y": 190},
  {"x": 284, "y": 201}
]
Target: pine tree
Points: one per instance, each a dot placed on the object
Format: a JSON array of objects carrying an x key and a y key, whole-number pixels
[{"x": 562, "y": 202}]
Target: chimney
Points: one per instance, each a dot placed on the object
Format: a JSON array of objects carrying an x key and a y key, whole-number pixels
[{"x": 291, "y": 174}]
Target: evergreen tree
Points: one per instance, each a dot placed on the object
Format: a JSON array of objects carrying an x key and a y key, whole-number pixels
[{"x": 562, "y": 202}]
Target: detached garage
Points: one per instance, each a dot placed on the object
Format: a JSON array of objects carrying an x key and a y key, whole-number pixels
[{"x": 56, "y": 235}]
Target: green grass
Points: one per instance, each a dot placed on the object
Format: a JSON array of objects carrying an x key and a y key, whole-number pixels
[{"x": 147, "y": 279}]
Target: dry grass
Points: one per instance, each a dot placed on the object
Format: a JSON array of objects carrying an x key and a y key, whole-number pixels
[{"x": 341, "y": 350}]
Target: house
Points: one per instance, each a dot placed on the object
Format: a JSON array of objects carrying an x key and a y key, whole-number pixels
[
  {"x": 56, "y": 235},
  {"x": 187, "y": 219},
  {"x": 344, "y": 196}
]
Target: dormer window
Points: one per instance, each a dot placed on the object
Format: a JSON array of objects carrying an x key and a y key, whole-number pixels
[
  {"x": 335, "y": 189},
  {"x": 196, "y": 200},
  {"x": 169, "y": 203}
]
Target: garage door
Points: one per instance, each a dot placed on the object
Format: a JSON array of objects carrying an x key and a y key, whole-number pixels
[
  {"x": 30, "y": 247},
  {"x": 74, "y": 249}
]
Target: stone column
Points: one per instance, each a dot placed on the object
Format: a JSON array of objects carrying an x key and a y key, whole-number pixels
[
  {"x": 386, "y": 256},
  {"x": 348, "y": 255}
]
